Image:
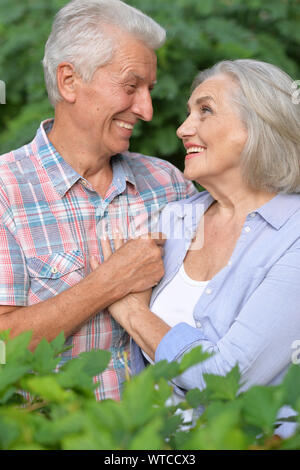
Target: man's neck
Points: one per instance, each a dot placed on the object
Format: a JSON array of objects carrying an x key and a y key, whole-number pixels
[{"x": 81, "y": 156}]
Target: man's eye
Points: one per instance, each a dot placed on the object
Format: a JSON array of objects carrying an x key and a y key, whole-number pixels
[{"x": 130, "y": 88}]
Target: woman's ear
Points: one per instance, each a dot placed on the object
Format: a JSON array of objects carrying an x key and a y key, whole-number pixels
[{"x": 66, "y": 81}]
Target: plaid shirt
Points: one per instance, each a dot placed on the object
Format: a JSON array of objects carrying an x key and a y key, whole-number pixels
[{"x": 51, "y": 221}]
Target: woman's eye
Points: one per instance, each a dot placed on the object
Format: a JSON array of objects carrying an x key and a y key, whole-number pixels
[{"x": 206, "y": 109}]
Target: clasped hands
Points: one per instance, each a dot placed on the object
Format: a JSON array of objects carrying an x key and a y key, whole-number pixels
[{"x": 138, "y": 261}]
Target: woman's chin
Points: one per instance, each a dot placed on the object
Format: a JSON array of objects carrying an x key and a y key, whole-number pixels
[{"x": 191, "y": 175}]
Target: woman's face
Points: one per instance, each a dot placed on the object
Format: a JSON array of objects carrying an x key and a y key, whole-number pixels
[{"x": 213, "y": 133}]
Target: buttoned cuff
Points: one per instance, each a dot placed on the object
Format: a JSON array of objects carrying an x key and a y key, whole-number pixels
[{"x": 177, "y": 341}]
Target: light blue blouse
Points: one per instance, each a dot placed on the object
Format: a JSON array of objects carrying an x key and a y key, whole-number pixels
[{"x": 250, "y": 311}]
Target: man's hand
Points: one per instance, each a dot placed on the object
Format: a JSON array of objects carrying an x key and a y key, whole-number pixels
[
  {"x": 132, "y": 311},
  {"x": 137, "y": 262}
]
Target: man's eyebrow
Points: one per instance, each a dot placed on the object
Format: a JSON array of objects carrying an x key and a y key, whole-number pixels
[
  {"x": 138, "y": 77},
  {"x": 201, "y": 99}
]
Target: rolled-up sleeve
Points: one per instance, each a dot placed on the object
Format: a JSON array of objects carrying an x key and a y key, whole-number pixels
[{"x": 260, "y": 338}]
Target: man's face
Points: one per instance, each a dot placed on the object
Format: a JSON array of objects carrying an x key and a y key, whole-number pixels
[{"x": 107, "y": 108}]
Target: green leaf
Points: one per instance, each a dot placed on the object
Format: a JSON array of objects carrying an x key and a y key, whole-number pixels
[
  {"x": 171, "y": 425},
  {"x": 163, "y": 390},
  {"x": 221, "y": 433},
  {"x": 4, "y": 335},
  {"x": 47, "y": 388},
  {"x": 165, "y": 369},
  {"x": 195, "y": 397},
  {"x": 94, "y": 362},
  {"x": 291, "y": 385},
  {"x": 9, "y": 432},
  {"x": 58, "y": 344},
  {"x": 91, "y": 439},
  {"x": 44, "y": 361},
  {"x": 148, "y": 437},
  {"x": 261, "y": 405},
  {"x": 193, "y": 357},
  {"x": 139, "y": 397},
  {"x": 223, "y": 387},
  {"x": 11, "y": 375},
  {"x": 293, "y": 443},
  {"x": 52, "y": 432},
  {"x": 110, "y": 415},
  {"x": 17, "y": 349},
  {"x": 8, "y": 394}
]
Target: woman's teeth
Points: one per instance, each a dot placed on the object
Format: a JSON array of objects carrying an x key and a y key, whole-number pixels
[{"x": 195, "y": 150}]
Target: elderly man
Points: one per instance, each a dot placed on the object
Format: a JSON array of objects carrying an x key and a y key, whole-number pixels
[{"x": 76, "y": 176}]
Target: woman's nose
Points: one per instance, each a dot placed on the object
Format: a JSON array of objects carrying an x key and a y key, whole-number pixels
[{"x": 187, "y": 128}]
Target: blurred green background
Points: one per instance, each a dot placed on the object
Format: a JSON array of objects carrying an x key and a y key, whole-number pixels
[{"x": 200, "y": 33}]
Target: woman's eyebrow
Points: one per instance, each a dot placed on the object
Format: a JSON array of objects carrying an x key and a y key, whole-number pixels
[
  {"x": 200, "y": 100},
  {"x": 204, "y": 98}
]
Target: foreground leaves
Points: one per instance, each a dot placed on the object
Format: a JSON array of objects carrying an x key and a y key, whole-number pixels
[{"x": 44, "y": 406}]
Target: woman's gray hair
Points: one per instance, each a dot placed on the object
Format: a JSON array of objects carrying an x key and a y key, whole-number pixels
[
  {"x": 79, "y": 36},
  {"x": 271, "y": 156}
]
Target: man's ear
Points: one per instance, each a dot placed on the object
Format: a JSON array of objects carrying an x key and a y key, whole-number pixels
[{"x": 66, "y": 81}]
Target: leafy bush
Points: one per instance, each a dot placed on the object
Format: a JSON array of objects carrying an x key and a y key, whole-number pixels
[
  {"x": 60, "y": 411},
  {"x": 199, "y": 35}
]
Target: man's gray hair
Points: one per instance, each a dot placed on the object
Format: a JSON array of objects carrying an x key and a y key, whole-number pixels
[
  {"x": 271, "y": 156},
  {"x": 79, "y": 36}
]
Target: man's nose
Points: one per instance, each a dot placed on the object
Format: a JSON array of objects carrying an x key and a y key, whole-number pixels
[{"x": 142, "y": 106}]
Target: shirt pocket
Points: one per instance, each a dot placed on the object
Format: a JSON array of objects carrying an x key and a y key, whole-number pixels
[{"x": 53, "y": 273}]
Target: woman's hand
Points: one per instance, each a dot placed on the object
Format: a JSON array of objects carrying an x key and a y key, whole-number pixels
[{"x": 132, "y": 311}]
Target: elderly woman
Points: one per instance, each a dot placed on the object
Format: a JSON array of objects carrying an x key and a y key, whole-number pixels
[{"x": 238, "y": 294}]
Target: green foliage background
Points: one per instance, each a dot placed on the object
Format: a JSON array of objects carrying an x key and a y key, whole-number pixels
[{"x": 200, "y": 33}]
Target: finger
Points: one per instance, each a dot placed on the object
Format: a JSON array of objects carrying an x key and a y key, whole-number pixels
[
  {"x": 159, "y": 238},
  {"x": 106, "y": 248},
  {"x": 118, "y": 239},
  {"x": 94, "y": 263}
]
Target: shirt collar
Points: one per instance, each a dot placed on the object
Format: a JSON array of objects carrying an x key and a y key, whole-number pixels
[
  {"x": 62, "y": 175},
  {"x": 276, "y": 212},
  {"x": 279, "y": 209},
  {"x": 122, "y": 172}
]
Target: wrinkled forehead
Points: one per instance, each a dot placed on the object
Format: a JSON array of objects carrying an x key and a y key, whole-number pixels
[{"x": 219, "y": 89}]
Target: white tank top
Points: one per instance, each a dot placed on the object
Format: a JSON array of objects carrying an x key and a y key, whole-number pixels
[{"x": 177, "y": 300}]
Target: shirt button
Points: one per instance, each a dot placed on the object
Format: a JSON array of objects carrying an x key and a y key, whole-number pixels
[
  {"x": 54, "y": 270},
  {"x": 229, "y": 263},
  {"x": 247, "y": 229},
  {"x": 198, "y": 324},
  {"x": 208, "y": 291},
  {"x": 253, "y": 214},
  {"x": 84, "y": 183}
]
